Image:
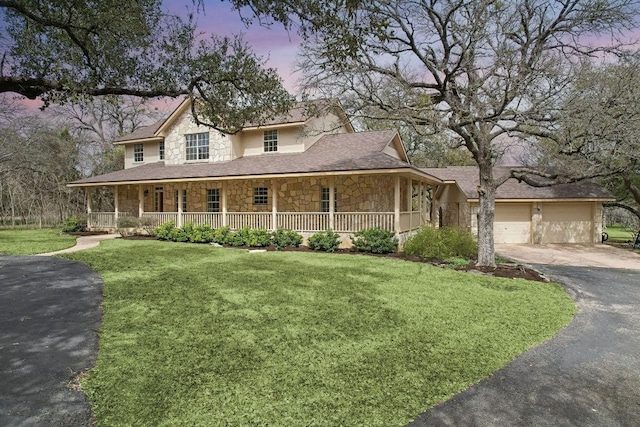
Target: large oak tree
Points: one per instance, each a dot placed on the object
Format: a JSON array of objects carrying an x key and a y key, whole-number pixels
[
  {"x": 481, "y": 71},
  {"x": 60, "y": 50}
]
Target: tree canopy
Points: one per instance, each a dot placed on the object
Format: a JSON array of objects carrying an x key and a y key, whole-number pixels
[
  {"x": 62, "y": 50},
  {"x": 479, "y": 71}
]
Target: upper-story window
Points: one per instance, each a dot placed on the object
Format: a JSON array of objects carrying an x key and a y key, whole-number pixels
[
  {"x": 138, "y": 153},
  {"x": 197, "y": 146},
  {"x": 161, "y": 150},
  {"x": 270, "y": 140}
]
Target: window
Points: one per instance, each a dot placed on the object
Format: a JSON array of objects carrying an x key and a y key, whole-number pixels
[
  {"x": 324, "y": 199},
  {"x": 270, "y": 140},
  {"x": 138, "y": 153},
  {"x": 161, "y": 150},
  {"x": 197, "y": 145},
  {"x": 184, "y": 200},
  {"x": 260, "y": 195},
  {"x": 213, "y": 200}
]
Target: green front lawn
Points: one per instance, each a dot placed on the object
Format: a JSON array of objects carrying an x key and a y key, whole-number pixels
[
  {"x": 36, "y": 241},
  {"x": 201, "y": 336}
]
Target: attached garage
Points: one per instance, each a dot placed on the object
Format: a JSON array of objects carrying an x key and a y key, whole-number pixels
[
  {"x": 563, "y": 213},
  {"x": 512, "y": 223},
  {"x": 567, "y": 223}
]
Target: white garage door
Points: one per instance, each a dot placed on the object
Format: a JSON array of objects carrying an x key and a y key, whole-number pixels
[
  {"x": 512, "y": 223},
  {"x": 567, "y": 223}
]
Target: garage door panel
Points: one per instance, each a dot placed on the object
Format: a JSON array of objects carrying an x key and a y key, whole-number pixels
[
  {"x": 567, "y": 223},
  {"x": 512, "y": 223}
]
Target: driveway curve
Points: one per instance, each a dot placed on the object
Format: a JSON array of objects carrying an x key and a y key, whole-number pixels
[
  {"x": 49, "y": 319},
  {"x": 588, "y": 375}
]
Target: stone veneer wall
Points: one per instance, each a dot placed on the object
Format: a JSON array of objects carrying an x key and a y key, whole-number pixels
[
  {"x": 356, "y": 193},
  {"x": 174, "y": 146}
]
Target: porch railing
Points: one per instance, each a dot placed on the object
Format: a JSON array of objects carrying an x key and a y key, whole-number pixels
[{"x": 304, "y": 222}]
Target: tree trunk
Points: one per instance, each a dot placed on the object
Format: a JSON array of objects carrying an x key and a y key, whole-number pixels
[{"x": 486, "y": 213}]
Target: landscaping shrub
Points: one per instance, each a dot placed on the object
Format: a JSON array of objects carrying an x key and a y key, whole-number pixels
[
  {"x": 164, "y": 231},
  {"x": 375, "y": 240},
  {"x": 202, "y": 233},
  {"x": 239, "y": 237},
  {"x": 286, "y": 238},
  {"x": 258, "y": 238},
  {"x": 128, "y": 222},
  {"x": 178, "y": 234},
  {"x": 442, "y": 243},
  {"x": 222, "y": 235},
  {"x": 325, "y": 241},
  {"x": 74, "y": 223}
]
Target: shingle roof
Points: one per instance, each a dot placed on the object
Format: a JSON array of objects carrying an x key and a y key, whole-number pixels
[
  {"x": 331, "y": 153},
  {"x": 467, "y": 178},
  {"x": 142, "y": 132}
]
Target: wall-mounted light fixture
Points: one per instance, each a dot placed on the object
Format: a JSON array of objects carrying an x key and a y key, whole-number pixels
[{"x": 146, "y": 193}]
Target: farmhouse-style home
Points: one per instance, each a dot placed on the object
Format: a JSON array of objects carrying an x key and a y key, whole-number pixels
[
  {"x": 310, "y": 172},
  {"x": 304, "y": 172},
  {"x": 565, "y": 213}
]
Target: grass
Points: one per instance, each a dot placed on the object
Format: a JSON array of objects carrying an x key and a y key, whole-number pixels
[
  {"x": 196, "y": 335},
  {"x": 617, "y": 233},
  {"x": 34, "y": 241}
]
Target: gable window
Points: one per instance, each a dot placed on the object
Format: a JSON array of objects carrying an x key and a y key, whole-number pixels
[
  {"x": 324, "y": 199},
  {"x": 184, "y": 200},
  {"x": 161, "y": 150},
  {"x": 260, "y": 195},
  {"x": 197, "y": 146},
  {"x": 213, "y": 200},
  {"x": 270, "y": 140},
  {"x": 138, "y": 153}
]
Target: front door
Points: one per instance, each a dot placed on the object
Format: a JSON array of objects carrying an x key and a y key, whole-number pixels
[{"x": 158, "y": 199}]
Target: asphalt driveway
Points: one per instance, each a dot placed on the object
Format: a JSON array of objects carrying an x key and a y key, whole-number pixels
[
  {"x": 49, "y": 318},
  {"x": 588, "y": 375}
]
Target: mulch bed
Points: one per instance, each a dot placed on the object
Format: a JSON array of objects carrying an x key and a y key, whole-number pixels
[{"x": 514, "y": 271}]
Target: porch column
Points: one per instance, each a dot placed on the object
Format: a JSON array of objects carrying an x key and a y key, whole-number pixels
[
  {"x": 88, "y": 196},
  {"x": 180, "y": 201},
  {"x": 332, "y": 201},
  {"x": 116, "y": 205},
  {"x": 410, "y": 201},
  {"x": 420, "y": 202},
  {"x": 396, "y": 204},
  {"x": 140, "y": 200},
  {"x": 274, "y": 204},
  {"x": 223, "y": 196}
]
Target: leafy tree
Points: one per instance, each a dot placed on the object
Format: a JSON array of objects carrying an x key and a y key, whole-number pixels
[
  {"x": 478, "y": 70},
  {"x": 64, "y": 50},
  {"x": 598, "y": 133}
]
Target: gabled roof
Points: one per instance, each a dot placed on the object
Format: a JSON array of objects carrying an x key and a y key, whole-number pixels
[
  {"x": 299, "y": 114},
  {"x": 467, "y": 179},
  {"x": 362, "y": 151}
]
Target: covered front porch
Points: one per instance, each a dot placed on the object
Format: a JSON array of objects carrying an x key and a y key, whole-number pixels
[{"x": 399, "y": 202}]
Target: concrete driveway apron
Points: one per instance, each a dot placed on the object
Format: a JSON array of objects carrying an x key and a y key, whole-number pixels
[
  {"x": 588, "y": 375},
  {"x": 49, "y": 318}
]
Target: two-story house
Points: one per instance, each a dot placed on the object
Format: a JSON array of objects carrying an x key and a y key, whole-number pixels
[{"x": 301, "y": 172}]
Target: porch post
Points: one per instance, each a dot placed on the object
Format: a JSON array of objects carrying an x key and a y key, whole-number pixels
[
  {"x": 223, "y": 196},
  {"x": 420, "y": 201},
  {"x": 88, "y": 196},
  {"x": 180, "y": 201},
  {"x": 396, "y": 204},
  {"x": 140, "y": 200},
  {"x": 274, "y": 204},
  {"x": 332, "y": 198},
  {"x": 410, "y": 201},
  {"x": 116, "y": 205}
]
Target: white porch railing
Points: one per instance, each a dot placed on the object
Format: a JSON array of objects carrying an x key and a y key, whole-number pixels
[
  {"x": 157, "y": 218},
  {"x": 356, "y": 221},
  {"x": 104, "y": 219},
  {"x": 304, "y": 222},
  {"x": 214, "y": 220},
  {"x": 236, "y": 220}
]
